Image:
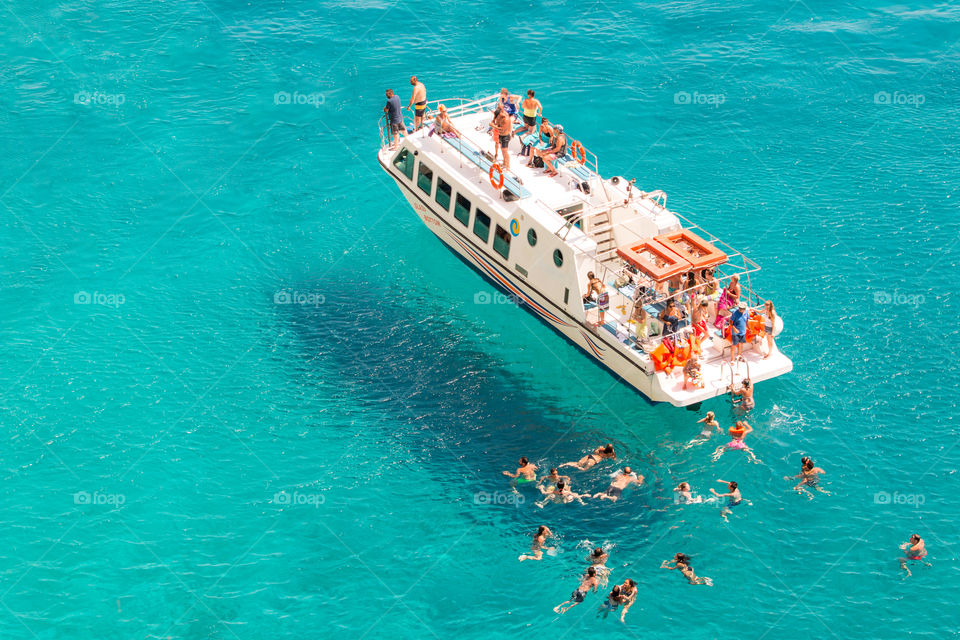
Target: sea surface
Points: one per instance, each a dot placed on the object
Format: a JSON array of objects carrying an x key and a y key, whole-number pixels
[{"x": 247, "y": 394}]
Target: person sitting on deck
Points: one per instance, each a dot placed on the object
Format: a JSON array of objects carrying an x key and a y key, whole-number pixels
[
  {"x": 547, "y": 135},
  {"x": 557, "y": 150},
  {"x": 670, "y": 316},
  {"x": 442, "y": 124}
]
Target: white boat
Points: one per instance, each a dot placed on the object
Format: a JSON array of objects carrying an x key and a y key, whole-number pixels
[{"x": 536, "y": 237}]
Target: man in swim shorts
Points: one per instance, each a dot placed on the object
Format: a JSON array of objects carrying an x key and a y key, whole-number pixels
[
  {"x": 733, "y": 497},
  {"x": 738, "y": 330},
  {"x": 588, "y": 582},
  {"x": 418, "y": 102},
  {"x": 915, "y": 549},
  {"x": 526, "y": 472},
  {"x": 394, "y": 113},
  {"x": 502, "y": 131},
  {"x": 620, "y": 482}
]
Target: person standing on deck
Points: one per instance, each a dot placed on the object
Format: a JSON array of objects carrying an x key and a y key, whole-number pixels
[
  {"x": 738, "y": 331},
  {"x": 394, "y": 112},
  {"x": 531, "y": 109},
  {"x": 418, "y": 102},
  {"x": 503, "y": 129}
]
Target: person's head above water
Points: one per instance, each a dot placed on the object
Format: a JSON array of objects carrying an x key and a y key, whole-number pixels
[
  {"x": 627, "y": 471},
  {"x": 592, "y": 571},
  {"x": 682, "y": 558},
  {"x": 553, "y": 472},
  {"x": 683, "y": 486},
  {"x": 915, "y": 538},
  {"x": 733, "y": 486},
  {"x": 608, "y": 449},
  {"x": 524, "y": 462},
  {"x": 597, "y": 552},
  {"x": 561, "y": 485},
  {"x": 710, "y": 415},
  {"x": 542, "y": 530},
  {"x": 529, "y": 93},
  {"x": 746, "y": 383}
]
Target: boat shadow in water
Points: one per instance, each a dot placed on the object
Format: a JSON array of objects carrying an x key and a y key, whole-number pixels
[{"x": 417, "y": 379}]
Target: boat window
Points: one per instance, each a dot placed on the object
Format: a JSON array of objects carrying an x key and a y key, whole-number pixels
[
  {"x": 461, "y": 211},
  {"x": 443, "y": 194},
  {"x": 425, "y": 179},
  {"x": 501, "y": 241},
  {"x": 532, "y": 237},
  {"x": 404, "y": 162},
  {"x": 481, "y": 225},
  {"x": 557, "y": 257}
]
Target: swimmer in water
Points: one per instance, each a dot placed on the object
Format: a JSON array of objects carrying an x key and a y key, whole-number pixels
[
  {"x": 809, "y": 477},
  {"x": 553, "y": 478},
  {"x": 915, "y": 549},
  {"x": 591, "y": 459},
  {"x": 683, "y": 494},
  {"x": 598, "y": 559},
  {"x": 612, "y": 602},
  {"x": 737, "y": 432},
  {"x": 733, "y": 497},
  {"x": 537, "y": 548},
  {"x": 681, "y": 561},
  {"x": 588, "y": 582},
  {"x": 620, "y": 482},
  {"x": 526, "y": 472},
  {"x": 560, "y": 494},
  {"x": 628, "y": 595},
  {"x": 746, "y": 395},
  {"x": 710, "y": 425}
]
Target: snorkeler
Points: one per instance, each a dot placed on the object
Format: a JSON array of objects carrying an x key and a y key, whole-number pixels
[
  {"x": 809, "y": 477},
  {"x": 560, "y": 494},
  {"x": 681, "y": 561},
  {"x": 737, "y": 432},
  {"x": 526, "y": 472},
  {"x": 621, "y": 481},
  {"x": 683, "y": 494},
  {"x": 915, "y": 549},
  {"x": 589, "y": 460},
  {"x": 588, "y": 582},
  {"x": 539, "y": 539},
  {"x": 733, "y": 497}
]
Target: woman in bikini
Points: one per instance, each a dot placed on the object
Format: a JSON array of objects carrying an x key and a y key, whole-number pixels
[
  {"x": 746, "y": 395},
  {"x": 737, "y": 433},
  {"x": 591, "y": 459},
  {"x": 769, "y": 323},
  {"x": 537, "y": 548},
  {"x": 681, "y": 562}
]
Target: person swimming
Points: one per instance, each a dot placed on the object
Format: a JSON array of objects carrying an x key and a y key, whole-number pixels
[
  {"x": 526, "y": 472},
  {"x": 612, "y": 603},
  {"x": 733, "y": 496},
  {"x": 598, "y": 558},
  {"x": 628, "y": 595},
  {"x": 537, "y": 547},
  {"x": 681, "y": 562},
  {"x": 553, "y": 478},
  {"x": 710, "y": 425},
  {"x": 560, "y": 494},
  {"x": 737, "y": 432},
  {"x": 915, "y": 549},
  {"x": 683, "y": 494},
  {"x": 621, "y": 481},
  {"x": 591, "y": 459},
  {"x": 587, "y": 583},
  {"x": 809, "y": 476}
]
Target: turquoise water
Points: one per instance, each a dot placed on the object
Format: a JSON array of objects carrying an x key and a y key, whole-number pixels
[{"x": 187, "y": 457}]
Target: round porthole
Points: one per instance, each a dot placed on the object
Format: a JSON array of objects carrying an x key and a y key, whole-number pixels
[
  {"x": 532, "y": 237},
  {"x": 557, "y": 257}
]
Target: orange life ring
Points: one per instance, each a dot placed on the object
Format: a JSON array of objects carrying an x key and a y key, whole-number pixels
[
  {"x": 497, "y": 184},
  {"x": 579, "y": 153}
]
